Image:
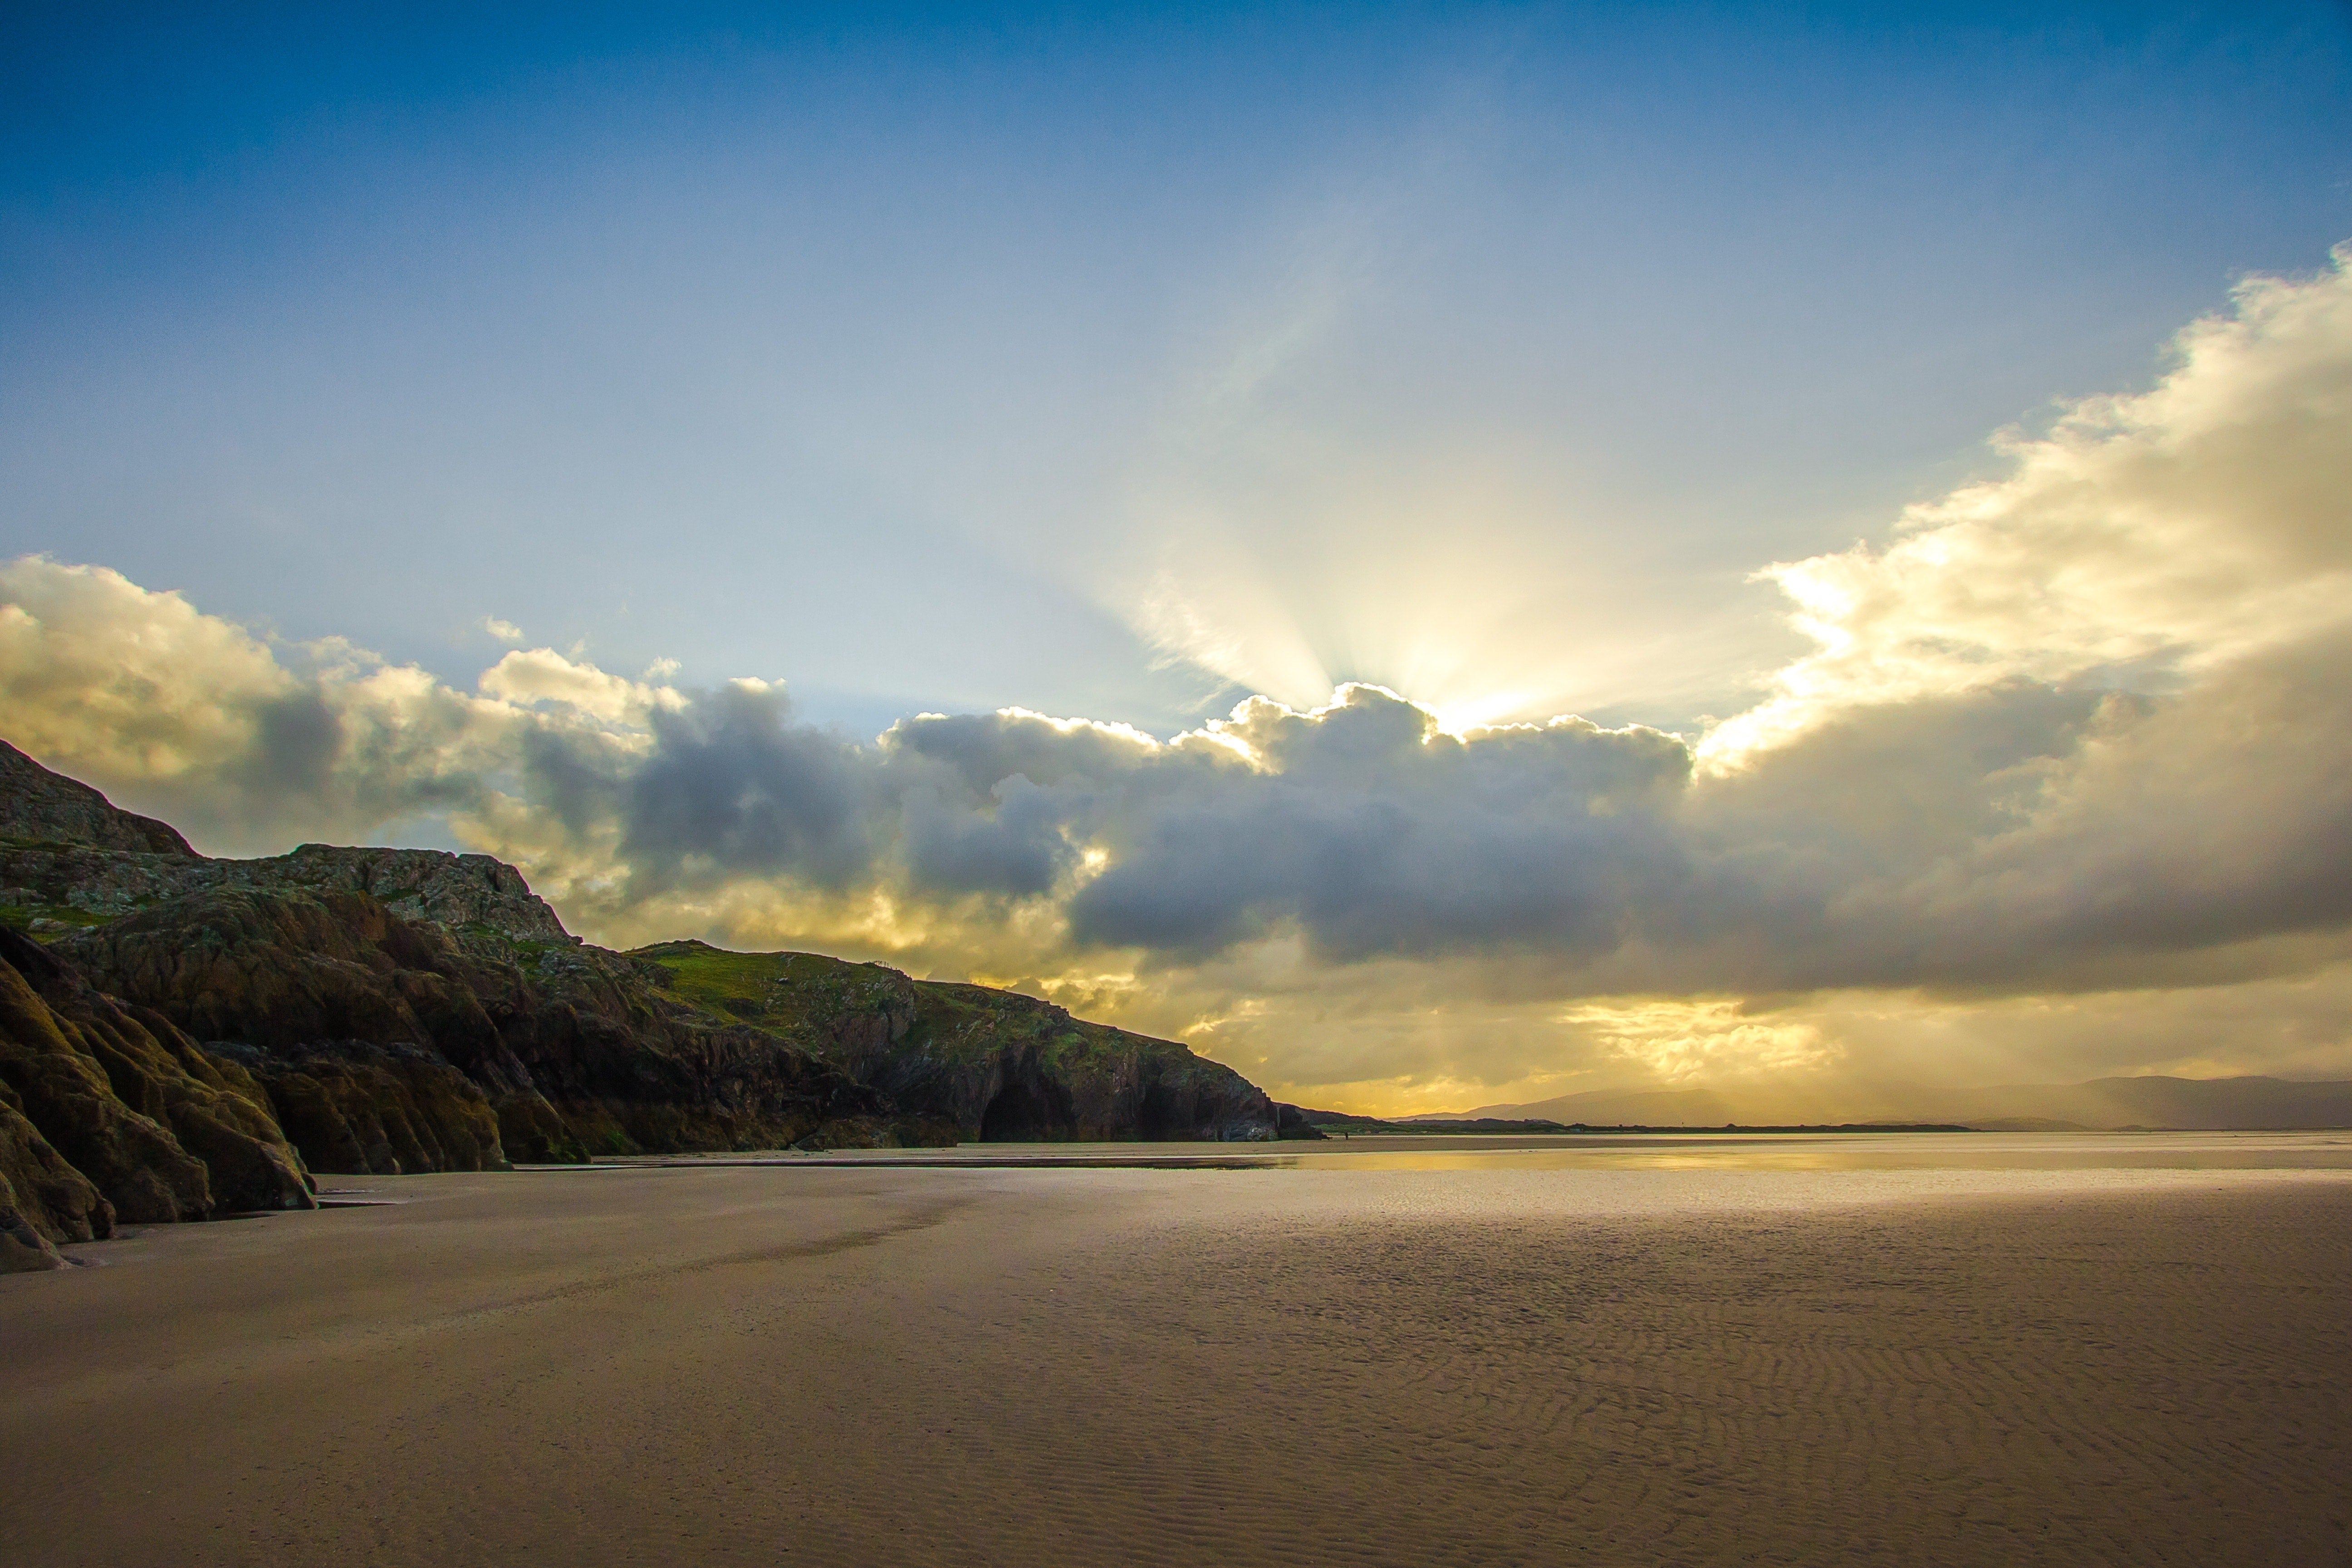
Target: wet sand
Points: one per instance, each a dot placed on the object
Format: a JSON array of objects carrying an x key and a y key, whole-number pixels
[{"x": 739, "y": 1366}]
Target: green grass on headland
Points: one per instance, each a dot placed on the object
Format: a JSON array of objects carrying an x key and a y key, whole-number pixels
[
  {"x": 872, "y": 1017},
  {"x": 780, "y": 991},
  {"x": 45, "y": 921}
]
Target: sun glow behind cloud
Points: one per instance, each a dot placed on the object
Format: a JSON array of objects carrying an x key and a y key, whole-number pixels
[
  {"x": 1436, "y": 594},
  {"x": 2075, "y": 744}
]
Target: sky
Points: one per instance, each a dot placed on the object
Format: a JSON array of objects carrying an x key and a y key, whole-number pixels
[{"x": 1444, "y": 555}]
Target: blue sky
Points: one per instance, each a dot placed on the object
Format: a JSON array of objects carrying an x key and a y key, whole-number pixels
[
  {"x": 893, "y": 354},
  {"x": 597, "y": 438}
]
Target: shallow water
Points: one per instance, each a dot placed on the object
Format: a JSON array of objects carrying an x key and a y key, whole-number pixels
[
  {"x": 1718, "y": 1152},
  {"x": 2329, "y": 1151}
]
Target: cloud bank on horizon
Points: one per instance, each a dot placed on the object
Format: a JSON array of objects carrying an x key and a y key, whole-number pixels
[{"x": 2064, "y": 786}]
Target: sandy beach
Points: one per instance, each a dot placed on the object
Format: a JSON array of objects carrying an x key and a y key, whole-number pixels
[{"x": 1305, "y": 1365}]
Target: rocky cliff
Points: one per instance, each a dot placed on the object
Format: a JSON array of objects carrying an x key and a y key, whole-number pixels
[
  {"x": 470, "y": 1046},
  {"x": 181, "y": 1036},
  {"x": 997, "y": 1065},
  {"x": 109, "y": 1112},
  {"x": 37, "y": 806}
]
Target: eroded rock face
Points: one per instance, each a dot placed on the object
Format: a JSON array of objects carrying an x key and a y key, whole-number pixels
[
  {"x": 135, "y": 1163},
  {"x": 572, "y": 1051},
  {"x": 384, "y": 1110},
  {"x": 132, "y": 1104},
  {"x": 997, "y": 1066},
  {"x": 43, "y": 1193},
  {"x": 41, "y": 805},
  {"x": 23, "y": 1248}
]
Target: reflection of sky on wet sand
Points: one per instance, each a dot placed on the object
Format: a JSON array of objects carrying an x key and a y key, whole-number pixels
[
  {"x": 1726, "y": 1153},
  {"x": 2324, "y": 1151}
]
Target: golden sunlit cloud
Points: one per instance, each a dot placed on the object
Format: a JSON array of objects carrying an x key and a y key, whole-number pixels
[
  {"x": 2149, "y": 538},
  {"x": 2082, "y": 731},
  {"x": 1677, "y": 1043}
]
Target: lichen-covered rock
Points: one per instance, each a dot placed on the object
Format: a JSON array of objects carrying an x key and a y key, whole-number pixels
[
  {"x": 418, "y": 885},
  {"x": 157, "y": 1105},
  {"x": 132, "y": 1158},
  {"x": 576, "y": 1052},
  {"x": 23, "y": 1248},
  {"x": 284, "y": 970},
  {"x": 997, "y": 1066},
  {"x": 74, "y": 883},
  {"x": 310, "y": 996},
  {"x": 41, "y": 805},
  {"x": 38, "y": 1186}
]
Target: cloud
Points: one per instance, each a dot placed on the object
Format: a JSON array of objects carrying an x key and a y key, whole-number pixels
[
  {"x": 503, "y": 631},
  {"x": 1678, "y": 1043},
  {"x": 731, "y": 788},
  {"x": 2081, "y": 732},
  {"x": 544, "y": 676},
  {"x": 2149, "y": 537},
  {"x": 243, "y": 742},
  {"x": 1372, "y": 832}
]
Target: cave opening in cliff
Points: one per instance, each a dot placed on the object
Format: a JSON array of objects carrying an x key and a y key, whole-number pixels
[
  {"x": 1017, "y": 1115},
  {"x": 1163, "y": 1113}
]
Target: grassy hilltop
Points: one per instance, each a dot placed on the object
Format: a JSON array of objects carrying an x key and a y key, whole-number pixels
[{"x": 995, "y": 1064}]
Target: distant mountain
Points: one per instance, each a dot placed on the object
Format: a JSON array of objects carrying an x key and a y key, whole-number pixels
[
  {"x": 1657, "y": 1107},
  {"x": 2188, "y": 1104}
]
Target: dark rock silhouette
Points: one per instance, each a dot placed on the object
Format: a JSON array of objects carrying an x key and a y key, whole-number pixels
[
  {"x": 39, "y": 806},
  {"x": 136, "y": 1110},
  {"x": 997, "y": 1066},
  {"x": 472, "y": 1049},
  {"x": 192, "y": 1035}
]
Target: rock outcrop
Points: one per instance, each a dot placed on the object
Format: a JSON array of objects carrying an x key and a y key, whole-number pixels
[
  {"x": 473, "y": 1047},
  {"x": 190, "y": 1036},
  {"x": 23, "y": 1248},
  {"x": 997, "y": 1066},
  {"x": 137, "y": 1112},
  {"x": 38, "y": 805},
  {"x": 63, "y": 885},
  {"x": 384, "y": 1110},
  {"x": 43, "y": 1199}
]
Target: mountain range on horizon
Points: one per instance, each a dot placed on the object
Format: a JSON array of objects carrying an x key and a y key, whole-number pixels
[{"x": 2186, "y": 1104}]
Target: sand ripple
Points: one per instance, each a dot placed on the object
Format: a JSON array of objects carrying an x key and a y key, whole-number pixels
[{"x": 848, "y": 1367}]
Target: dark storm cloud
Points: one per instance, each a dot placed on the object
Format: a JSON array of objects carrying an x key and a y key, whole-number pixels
[
  {"x": 732, "y": 784},
  {"x": 1360, "y": 823},
  {"x": 2022, "y": 831},
  {"x": 1019, "y": 848},
  {"x": 2020, "y": 835},
  {"x": 296, "y": 741},
  {"x": 565, "y": 775},
  {"x": 1375, "y": 833},
  {"x": 982, "y": 748}
]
